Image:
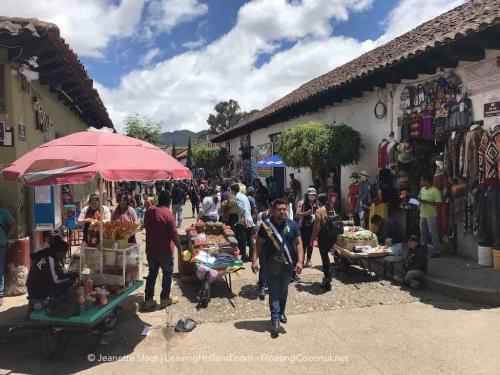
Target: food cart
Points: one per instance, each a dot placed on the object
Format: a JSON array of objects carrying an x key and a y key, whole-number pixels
[
  {"x": 214, "y": 251},
  {"x": 108, "y": 261},
  {"x": 357, "y": 246}
]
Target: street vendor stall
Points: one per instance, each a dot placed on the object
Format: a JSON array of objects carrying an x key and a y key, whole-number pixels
[
  {"x": 109, "y": 264},
  {"x": 214, "y": 251},
  {"x": 357, "y": 246}
]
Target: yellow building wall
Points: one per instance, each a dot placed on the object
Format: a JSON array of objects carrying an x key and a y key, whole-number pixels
[{"x": 16, "y": 198}]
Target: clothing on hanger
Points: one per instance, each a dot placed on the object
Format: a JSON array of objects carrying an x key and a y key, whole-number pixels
[
  {"x": 470, "y": 156},
  {"x": 489, "y": 159},
  {"x": 382, "y": 154}
]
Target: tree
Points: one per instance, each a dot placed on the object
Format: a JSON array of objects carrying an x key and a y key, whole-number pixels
[
  {"x": 143, "y": 128},
  {"x": 227, "y": 114},
  {"x": 189, "y": 159},
  {"x": 174, "y": 151},
  {"x": 320, "y": 147},
  {"x": 210, "y": 158}
]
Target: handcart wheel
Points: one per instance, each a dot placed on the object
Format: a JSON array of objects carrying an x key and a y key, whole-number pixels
[
  {"x": 111, "y": 321},
  {"x": 50, "y": 343}
]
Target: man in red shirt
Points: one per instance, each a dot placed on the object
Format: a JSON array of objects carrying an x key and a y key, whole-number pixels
[{"x": 161, "y": 235}]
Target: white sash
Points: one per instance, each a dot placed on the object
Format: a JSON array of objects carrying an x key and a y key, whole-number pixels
[{"x": 280, "y": 239}]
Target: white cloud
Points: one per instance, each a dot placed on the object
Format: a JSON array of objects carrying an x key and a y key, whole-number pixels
[
  {"x": 150, "y": 56},
  {"x": 181, "y": 91},
  {"x": 194, "y": 44},
  {"x": 164, "y": 15},
  {"x": 412, "y": 13},
  {"x": 88, "y": 26}
]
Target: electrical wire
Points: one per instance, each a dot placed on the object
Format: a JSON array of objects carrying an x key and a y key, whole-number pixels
[{"x": 12, "y": 47}]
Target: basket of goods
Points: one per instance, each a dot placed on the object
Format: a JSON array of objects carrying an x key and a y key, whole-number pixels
[
  {"x": 118, "y": 233},
  {"x": 200, "y": 226},
  {"x": 356, "y": 237},
  {"x": 228, "y": 232}
]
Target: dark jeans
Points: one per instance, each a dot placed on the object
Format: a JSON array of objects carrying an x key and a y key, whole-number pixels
[
  {"x": 167, "y": 267},
  {"x": 208, "y": 218},
  {"x": 306, "y": 233},
  {"x": 324, "y": 250},
  {"x": 195, "y": 206},
  {"x": 277, "y": 284},
  {"x": 245, "y": 238},
  {"x": 262, "y": 274}
]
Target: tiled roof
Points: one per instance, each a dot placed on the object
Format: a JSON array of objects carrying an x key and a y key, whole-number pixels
[
  {"x": 467, "y": 19},
  {"x": 19, "y": 28}
]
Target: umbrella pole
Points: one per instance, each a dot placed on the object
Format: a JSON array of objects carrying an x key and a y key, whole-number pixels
[{"x": 100, "y": 183}]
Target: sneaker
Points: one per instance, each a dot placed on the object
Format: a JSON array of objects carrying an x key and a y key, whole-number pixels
[
  {"x": 326, "y": 284},
  {"x": 275, "y": 330},
  {"x": 283, "y": 319},
  {"x": 262, "y": 293},
  {"x": 308, "y": 264},
  {"x": 168, "y": 302},
  {"x": 149, "y": 305}
]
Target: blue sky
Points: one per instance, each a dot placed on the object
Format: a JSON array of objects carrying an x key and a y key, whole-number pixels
[{"x": 173, "y": 60}]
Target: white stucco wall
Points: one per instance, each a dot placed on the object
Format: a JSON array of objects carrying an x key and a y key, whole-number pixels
[{"x": 359, "y": 114}]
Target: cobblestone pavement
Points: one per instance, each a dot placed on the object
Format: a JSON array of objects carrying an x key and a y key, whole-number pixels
[{"x": 356, "y": 289}]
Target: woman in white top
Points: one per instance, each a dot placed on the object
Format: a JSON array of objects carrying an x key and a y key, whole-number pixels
[
  {"x": 210, "y": 207},
  {"x": 92, "y": 212}
]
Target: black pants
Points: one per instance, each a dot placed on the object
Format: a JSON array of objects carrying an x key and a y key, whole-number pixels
[
  {"x": 195, "y": 206},
  {"x": 324, "y": 250},
  {"x": 245, "y": 238},
  {"x": 305, "y": 233}
]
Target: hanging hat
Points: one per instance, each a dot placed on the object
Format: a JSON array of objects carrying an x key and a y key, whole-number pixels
[
  {"x": 365, "y": 173},
  {"x": 311, "y": 191},
  {"x": 354, "y": 175}
]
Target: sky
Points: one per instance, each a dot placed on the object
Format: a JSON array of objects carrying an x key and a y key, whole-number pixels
[{"x": 174, "y": 60}]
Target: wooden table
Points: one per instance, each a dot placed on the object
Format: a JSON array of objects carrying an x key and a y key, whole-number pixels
[{"x": 350, "y": 258}]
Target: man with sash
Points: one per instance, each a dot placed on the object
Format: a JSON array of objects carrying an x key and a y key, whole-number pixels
[{"x": 280, "y": 245}]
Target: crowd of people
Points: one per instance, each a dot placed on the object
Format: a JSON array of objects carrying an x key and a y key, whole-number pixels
[{"x": 276, "y": 231}]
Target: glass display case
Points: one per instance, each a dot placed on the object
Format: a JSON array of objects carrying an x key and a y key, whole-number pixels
[{"x": 109, "y": 266}]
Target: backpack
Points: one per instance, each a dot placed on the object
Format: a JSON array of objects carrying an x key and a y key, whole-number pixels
[{"x": 334, "y": 225}]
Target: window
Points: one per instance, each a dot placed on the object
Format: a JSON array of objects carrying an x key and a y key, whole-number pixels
[{"x": 274, "y": 139}]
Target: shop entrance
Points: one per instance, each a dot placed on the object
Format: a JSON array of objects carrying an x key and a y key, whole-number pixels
[{"x": 279, "y": 176}]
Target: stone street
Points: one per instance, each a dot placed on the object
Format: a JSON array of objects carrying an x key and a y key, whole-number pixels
[{"x": 365, "y": 325}]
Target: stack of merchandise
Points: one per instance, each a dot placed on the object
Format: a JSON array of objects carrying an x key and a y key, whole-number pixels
[
  {"x": 355, "y": 237},
  {"x": 213, "y": 247}
]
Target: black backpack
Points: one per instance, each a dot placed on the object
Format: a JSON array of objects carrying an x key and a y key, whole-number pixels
[{"x": 334, "y": 225}]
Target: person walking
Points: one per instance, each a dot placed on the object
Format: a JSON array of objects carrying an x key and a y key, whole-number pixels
[
  {"x": 161, "y": 233},
  {"x": 8, "y": 227},
  {"x": 178, "y": 200},
  {"x": 306, "y": 209},
  {"x": 245, "y": 226},
  {"x": 295, "y": 187},
  {"x": 430, "y": 198},
  {"x": 194, "y": 197},
  {"x": 278, "y": 242},
  {"x": 325, "y": 240}
]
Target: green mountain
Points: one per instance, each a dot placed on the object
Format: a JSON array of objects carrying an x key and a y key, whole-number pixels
[{"x": 181, "y": 137}]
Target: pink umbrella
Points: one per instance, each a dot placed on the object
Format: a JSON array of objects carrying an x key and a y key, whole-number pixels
[{"x": 80, "y": 157}]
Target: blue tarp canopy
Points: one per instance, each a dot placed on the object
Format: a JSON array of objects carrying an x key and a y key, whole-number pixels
[{"x": 271, "y": 161}]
